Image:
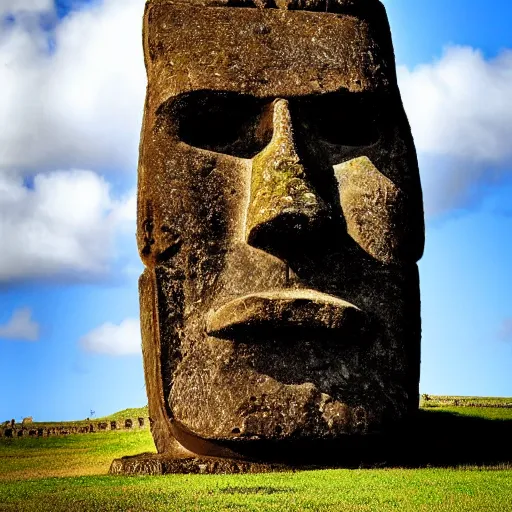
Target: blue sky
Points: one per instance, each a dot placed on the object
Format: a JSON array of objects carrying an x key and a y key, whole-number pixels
[{"x": 70, "y": 113}]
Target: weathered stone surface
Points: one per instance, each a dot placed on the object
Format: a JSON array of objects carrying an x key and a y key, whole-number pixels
[
  {"x": 375, "y": 210},
  {"x": 280, "y": 220},
  {"x": 257, "y": 315},
  {"x": 156, "y": 464}
]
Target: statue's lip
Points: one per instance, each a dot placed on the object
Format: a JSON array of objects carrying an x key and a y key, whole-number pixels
[{"x": 290, "y": 310}]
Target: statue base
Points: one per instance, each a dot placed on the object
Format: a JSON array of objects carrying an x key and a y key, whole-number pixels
[{"x": 160, "y": 464}]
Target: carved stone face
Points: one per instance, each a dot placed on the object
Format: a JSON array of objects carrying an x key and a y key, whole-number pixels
[{"x": 280, "y": 219}]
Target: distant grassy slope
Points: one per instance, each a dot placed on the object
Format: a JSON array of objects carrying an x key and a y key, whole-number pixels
[
  {"x": 479, "y": 399},
  {"x": 133, "y": 413},
  {"x": 137, "y": 412}
]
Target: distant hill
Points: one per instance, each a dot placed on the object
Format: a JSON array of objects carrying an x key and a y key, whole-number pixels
[{"x": 137, "y": 412}]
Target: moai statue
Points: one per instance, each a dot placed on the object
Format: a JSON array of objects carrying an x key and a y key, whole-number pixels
[{"x": 280, "y": 221}]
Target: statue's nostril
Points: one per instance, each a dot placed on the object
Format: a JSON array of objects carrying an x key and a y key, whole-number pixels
[{"x": 283, "y": 210}]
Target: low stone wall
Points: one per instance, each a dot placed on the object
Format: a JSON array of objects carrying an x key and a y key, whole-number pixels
[
  {"x": 41, "y": 430},
  {"x": 428, "y": 401}
]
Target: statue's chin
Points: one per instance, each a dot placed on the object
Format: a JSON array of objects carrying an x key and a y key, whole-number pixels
[
  {"x": 272, "y": 411},
  {"x": 347, "y": 435}
]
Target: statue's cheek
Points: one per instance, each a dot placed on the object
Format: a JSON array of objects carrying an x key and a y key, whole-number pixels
[{"x": 375, "y": 210}]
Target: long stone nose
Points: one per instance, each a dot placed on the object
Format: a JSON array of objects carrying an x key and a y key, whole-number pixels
[{"x": 284, "y": 209}]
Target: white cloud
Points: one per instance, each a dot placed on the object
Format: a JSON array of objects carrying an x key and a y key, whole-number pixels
[
  {"x": 64, "y": 225},
  {"x": 20, "y": 326},
  {"x": 460, "y": 110},
  {"x": 115, "y": 340},
  {"x": 80, "y": 106}
]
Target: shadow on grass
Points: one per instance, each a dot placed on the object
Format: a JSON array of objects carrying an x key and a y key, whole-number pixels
[
  {"x": 433, "y": 438},
  {"x": 254, "y": 490},
  {"x": 442, "y": 438}
]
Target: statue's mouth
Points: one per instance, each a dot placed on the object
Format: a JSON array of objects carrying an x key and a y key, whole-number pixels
[{"x": 275, "y": 315}]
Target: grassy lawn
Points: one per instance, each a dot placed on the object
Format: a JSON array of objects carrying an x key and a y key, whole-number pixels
[
  {"x": 488, "y": 413},
  {"x": 70, "y": 473},
  {"x": 329, "y": 490}
]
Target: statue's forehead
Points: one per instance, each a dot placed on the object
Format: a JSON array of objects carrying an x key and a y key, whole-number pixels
[{"x": 262, "y": 52}]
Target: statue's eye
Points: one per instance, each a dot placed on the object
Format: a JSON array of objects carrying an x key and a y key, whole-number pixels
[
  {"x": 227, "y": 123},
  {"x": 343, "y": 119}
]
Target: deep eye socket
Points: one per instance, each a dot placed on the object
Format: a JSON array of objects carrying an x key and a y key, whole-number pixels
[
  {"x": 227, "y": 123},
  {"x": 342, "y": 119}
]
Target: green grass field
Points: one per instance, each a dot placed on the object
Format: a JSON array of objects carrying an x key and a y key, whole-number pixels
[{"x": 70, "y": 473}]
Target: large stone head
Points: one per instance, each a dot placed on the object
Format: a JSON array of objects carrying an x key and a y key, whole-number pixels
[{"x": 280, "y": 219}]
